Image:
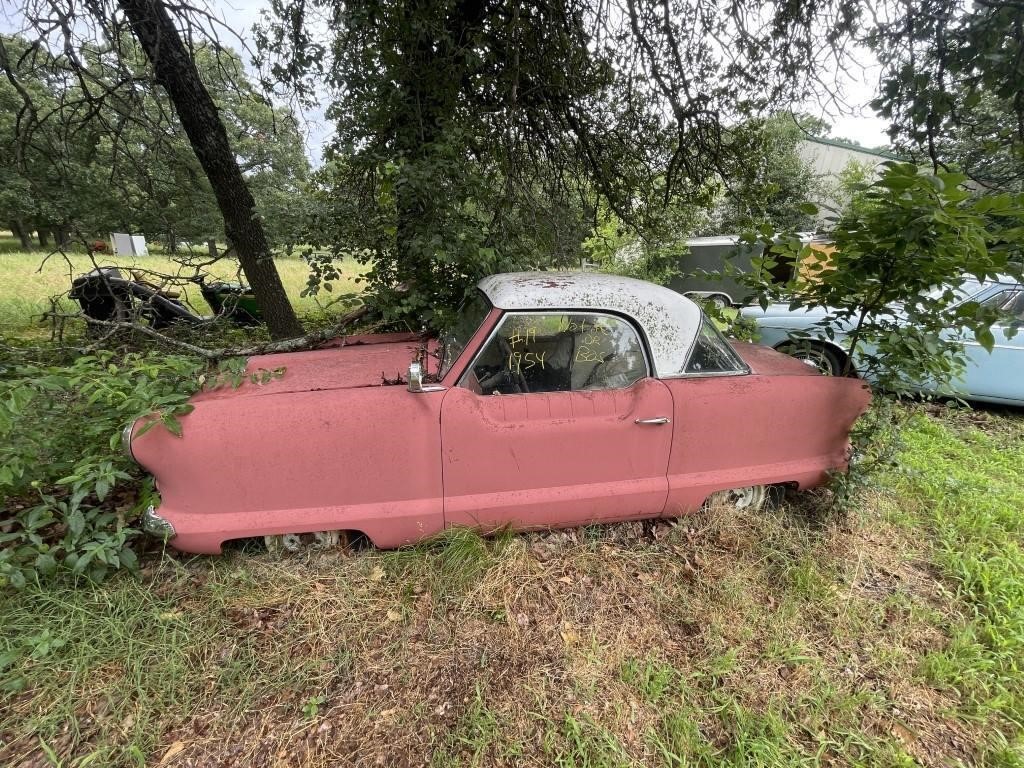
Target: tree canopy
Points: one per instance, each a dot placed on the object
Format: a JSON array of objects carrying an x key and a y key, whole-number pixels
[
  {"x": 475, "y": 136},
  {"x": 90, "y": 160},
  {"x": 951, "y": 84}
]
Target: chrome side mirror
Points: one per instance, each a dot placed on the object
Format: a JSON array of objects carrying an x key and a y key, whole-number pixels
[{"x": 416, "y": 380}]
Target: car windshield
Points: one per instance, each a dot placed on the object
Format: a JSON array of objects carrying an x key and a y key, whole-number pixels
[
  {"x": 457, "y": 336},
  {"x": 961, "y": 292}
]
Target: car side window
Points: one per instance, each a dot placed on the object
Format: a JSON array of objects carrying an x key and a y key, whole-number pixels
[
  {"x": 1014, "y": 308},
  {"x": 1009, "y": 302},
  {"x": 712, "y": 353},
  {"x": 558, "y": 352}
]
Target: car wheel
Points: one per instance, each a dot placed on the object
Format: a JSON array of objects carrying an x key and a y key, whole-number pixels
[
  {"x": 287, "y": 542},
  {"x": 825, "y": 360},
  {"x": 297, "y": 542},
  {"x": 750, "y": 498}
]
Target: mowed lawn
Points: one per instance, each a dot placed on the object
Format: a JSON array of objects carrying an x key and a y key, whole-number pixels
[
  {"x": 893, "y": 637},
  {"x": 29, "y": 280}
]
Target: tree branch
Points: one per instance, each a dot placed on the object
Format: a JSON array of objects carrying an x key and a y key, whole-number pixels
[{"x": 296, "y": 344}]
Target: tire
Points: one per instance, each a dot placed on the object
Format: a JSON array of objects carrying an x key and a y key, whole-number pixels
[
  {"x": 826, "y": 360},
  {"x": 292, "y": 543},
  {"x": 751, "y": 498},
  {"x": 718, "y": 301}
]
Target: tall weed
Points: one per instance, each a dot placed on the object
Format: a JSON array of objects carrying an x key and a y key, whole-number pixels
[{"x": 67, "y": 490}]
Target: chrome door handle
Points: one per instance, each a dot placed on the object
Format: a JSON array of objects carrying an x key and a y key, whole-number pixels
[{"x": 656, "y": 420}]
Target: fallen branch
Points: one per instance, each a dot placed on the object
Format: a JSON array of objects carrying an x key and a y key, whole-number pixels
[{"x": 284, "y": 345}]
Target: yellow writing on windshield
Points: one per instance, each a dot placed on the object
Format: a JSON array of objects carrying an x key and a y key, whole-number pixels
[{"x": 524, "y": 361}]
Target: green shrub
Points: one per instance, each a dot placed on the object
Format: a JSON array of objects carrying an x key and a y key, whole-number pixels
[{"x": 67, "y": 490}]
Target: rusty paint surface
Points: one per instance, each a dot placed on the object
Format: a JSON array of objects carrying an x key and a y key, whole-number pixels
[
  {"x": 556, "y": 458},
  {"x": 365, "y": 459},
  {"x": 768, "y": 362},
  {"x": 360, "y": 361},
  {"x": 787, "y": 426}
]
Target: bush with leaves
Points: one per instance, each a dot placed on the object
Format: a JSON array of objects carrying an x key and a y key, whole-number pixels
[
  {"x": 889, "y": 290},
  {"x": 67, "y": 490},
  {"x": 889, "y": 287}
]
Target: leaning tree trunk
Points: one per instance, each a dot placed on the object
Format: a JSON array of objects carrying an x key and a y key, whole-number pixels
[
  {"x": 22, "y": 234},
  {"x": 177, "y": 73}
]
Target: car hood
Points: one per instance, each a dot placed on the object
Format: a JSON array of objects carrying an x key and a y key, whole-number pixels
[{"x": 370, "y": 360}]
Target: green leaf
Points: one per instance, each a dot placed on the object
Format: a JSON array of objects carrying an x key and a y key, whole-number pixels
[
  {"x": 46, "y": 564},
  {"x": 985, "y": 337},
  {"x": 76, "y": 523},
  {"x": 128, "y": 559},
  {"x": 172, "y": 424}
]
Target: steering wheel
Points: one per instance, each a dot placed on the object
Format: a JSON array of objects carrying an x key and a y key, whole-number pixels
[{"x": 514, "y": 379}]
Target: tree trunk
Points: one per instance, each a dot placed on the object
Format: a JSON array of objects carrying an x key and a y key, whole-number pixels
[
  {"x": 19, "y": 231},
  {"x": 211, "y": 247},
  {"x": 44, "y": 237},
  {"x": 176, "y": 72}
]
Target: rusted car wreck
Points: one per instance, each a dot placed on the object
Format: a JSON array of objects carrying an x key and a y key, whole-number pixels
[{"x": 557, "y": 399}]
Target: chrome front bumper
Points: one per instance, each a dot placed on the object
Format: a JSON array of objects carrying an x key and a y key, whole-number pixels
[
  {"x": 157, "y": 526},
  {"x": 126, "y": 440}
]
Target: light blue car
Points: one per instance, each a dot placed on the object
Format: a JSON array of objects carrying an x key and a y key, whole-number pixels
[{"x": 996, "y": 377}]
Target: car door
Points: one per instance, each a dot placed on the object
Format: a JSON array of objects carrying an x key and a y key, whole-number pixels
[
  {"x": 556, "y": 422},
  {"x": 999, "y": 374}
]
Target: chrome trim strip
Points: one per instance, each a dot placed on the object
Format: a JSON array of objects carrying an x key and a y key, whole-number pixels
[
  {"x": 126, "y": 439},
  {"x": 710, "y": 374},
  {"x": 994, "y": 346}
]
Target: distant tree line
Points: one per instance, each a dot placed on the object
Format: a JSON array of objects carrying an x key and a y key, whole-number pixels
[{"x": 78, "y": 161}]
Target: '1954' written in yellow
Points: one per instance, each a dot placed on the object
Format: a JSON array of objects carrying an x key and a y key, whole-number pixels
[{"x": 524, "y": 361}]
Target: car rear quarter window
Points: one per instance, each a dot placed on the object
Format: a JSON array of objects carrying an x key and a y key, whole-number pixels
[
  {"x": 1014, "y": 307},
  {"x": 1009, "y": 302},
  {"x": 712, "y": 354},
  {"x": 558, "y": 352}
]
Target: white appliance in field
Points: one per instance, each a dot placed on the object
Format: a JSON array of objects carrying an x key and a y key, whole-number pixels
[{"x": 128, "y": 245}]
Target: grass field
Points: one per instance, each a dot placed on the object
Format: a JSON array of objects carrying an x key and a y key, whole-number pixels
[
  {"x": 28, "y": 280},
  {"x": 894, "y": 638}
]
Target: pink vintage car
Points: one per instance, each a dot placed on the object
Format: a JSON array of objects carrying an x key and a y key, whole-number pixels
[{"x": 557, "y": 399}]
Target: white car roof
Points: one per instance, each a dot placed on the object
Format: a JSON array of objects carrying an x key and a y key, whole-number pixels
[
  {"x": 805, "y": 237},
  {"x": 669, "y": 320}
]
